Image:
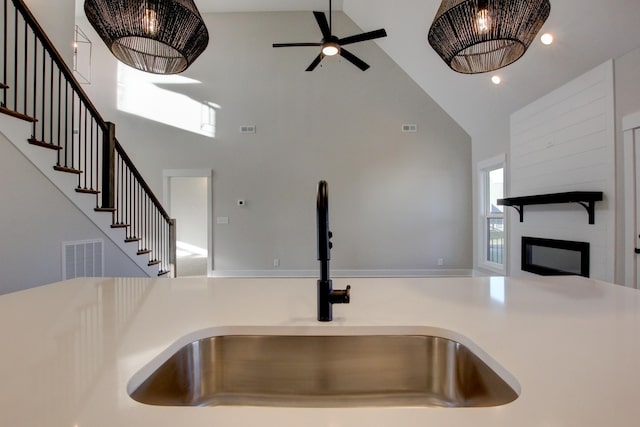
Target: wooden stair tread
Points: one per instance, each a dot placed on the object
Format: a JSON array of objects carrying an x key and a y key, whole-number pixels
[
  {"x": 119, "y": 225},
  {"x": 105, "y": 210},
  {"x": 87, "y": 191},
  {"x": 144, "y": 251},
  {"x": 33, "y": 141},
  {"x": 163, "y": 272},
  {"x": 132, "y": 239},
  {"x": 67, "y": 170},
  {"x": 5, "y": 110},
  {"x": 154, "y": 262}
]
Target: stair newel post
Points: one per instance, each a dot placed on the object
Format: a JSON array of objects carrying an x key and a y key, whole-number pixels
[
  {"x": 173, "y": 249},
  {"x": 108, "y": 166}
]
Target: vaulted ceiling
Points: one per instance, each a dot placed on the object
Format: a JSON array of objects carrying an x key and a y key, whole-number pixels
[{"x": 587, "y": 33}]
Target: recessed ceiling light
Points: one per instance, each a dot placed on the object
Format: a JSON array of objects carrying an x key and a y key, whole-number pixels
[
  {"x": 496, "y": 80},
  {"x": 546, "y": 39}
]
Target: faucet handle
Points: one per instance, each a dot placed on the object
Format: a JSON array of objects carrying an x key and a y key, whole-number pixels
[
  {"x": 347, "y": 295},
  {"x": 341, "y": 296}
]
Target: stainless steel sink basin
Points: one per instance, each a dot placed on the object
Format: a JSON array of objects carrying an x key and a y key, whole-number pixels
[{"x": 325, "y": 371}]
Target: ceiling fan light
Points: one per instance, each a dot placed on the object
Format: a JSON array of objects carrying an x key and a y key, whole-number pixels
[{"x": 330, "y": 49}]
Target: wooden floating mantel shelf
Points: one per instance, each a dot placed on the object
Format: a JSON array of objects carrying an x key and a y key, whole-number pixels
[{"x": 586, "y": 199}]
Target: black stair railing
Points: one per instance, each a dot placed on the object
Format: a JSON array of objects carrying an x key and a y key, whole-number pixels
[{"x": 38, "y": 86}]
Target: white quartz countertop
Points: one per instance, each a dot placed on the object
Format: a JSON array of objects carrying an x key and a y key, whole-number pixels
[{"x": 570, "y": 346}]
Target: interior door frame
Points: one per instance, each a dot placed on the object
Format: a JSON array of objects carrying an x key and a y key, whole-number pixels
[
  {"x": 630, "y": 123},
  {"x": 167, "y": 174}
]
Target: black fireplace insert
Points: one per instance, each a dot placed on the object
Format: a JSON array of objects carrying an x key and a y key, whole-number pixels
[{"x": 550, "y": 257}]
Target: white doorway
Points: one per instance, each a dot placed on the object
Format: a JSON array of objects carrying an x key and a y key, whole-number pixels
[
  {"x": 188, "y": 198},
  {"x": 631, "y": 128}
]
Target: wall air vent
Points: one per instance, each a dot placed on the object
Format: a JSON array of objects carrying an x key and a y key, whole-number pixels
[
  {"x": 409, "y": 128},
  {"x": 82, "y": 259},
  {"x": 248, "y": 129}
]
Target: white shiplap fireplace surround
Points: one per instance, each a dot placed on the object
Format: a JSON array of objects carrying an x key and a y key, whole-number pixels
[{"x": 565, "y": 141}]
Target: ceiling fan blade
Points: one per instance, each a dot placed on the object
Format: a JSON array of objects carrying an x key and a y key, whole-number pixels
[
  {"x": 363, "y": 37},
  {"x": 295, "y": 44},
  {"x": 354, "y": 59},
  {"x": 323, "y": 24},
  {"x": 315, "y": 63}
]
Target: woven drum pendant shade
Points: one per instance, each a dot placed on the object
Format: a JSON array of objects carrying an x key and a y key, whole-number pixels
[
  {"x": 157, "y": 36},
  {"x": 477, "y": 36}
]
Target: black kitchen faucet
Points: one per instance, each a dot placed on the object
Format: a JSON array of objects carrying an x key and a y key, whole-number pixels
[{"x": 326, "y": 295}]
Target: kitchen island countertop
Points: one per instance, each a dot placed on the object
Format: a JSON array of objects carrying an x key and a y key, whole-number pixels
[{"x": 570, "y": 346}]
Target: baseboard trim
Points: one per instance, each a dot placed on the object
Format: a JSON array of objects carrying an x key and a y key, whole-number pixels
[{"x": 342, "y": 273}]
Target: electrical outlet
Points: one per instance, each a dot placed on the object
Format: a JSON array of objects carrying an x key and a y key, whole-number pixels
[
  {"x": 276, "y": 262},
  {"x": 440, "y": 261}
]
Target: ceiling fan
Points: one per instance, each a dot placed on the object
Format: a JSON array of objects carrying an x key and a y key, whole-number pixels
[{"x": 332, "y": 45}]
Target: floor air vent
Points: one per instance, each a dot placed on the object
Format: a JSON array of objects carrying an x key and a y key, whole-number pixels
[{"x": 82, "y": 259}]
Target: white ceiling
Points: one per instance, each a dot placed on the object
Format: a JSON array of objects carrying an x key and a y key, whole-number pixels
[{"x": 587, "y": 32}]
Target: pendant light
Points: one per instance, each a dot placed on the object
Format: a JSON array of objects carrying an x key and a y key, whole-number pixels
[
  {"x": 157, "y": 36},
  {"x": 478, "y": 36}
]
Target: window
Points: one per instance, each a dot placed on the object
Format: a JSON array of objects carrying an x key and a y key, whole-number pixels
[{"x": 492, "y": 230}]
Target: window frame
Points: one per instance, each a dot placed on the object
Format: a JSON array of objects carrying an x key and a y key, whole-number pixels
[{"x": 484, "y": 214}]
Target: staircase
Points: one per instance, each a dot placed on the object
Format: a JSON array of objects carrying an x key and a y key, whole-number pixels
[{"x": 67, "y": 138}]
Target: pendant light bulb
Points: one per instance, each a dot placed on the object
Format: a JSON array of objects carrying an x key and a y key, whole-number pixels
[
  {"x": 482, "y": 19},
  {"x": 150, "y": 21}
]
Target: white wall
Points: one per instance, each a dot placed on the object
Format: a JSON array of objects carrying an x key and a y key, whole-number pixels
[
  {"x": 565, "y": 141},
  {"x": 35, "y": 219},
  {"x": 398, "y": 201},
  {"x": 57, "y": 18}
]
